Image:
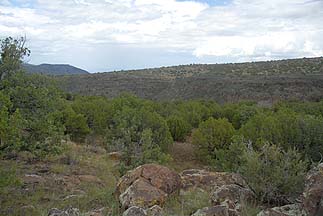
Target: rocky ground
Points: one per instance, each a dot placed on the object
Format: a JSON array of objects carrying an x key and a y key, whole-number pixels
[
  {"x": 84, "y": 181},
  {"x": 82, "y": 177},
  {"x": 145, "y": 190}
]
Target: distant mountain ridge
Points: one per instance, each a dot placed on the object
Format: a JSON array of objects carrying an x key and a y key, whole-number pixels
[
  {"x": 54, "y": 69},
  {"x": 265, "y": 82}
]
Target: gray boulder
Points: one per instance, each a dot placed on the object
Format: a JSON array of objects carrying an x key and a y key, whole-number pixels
[
  {"x": 68, "y": 212},
  {"x": 135, "y": 211},
  {"x": 212, "y": 211}
]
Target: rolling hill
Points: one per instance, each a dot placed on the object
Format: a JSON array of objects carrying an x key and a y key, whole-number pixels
[
  {"x": 264, "y": 82},
  {"x": 54, "y": 69}
]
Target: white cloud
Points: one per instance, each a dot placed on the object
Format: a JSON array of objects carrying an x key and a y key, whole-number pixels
[{"x": 240, "y": 30}]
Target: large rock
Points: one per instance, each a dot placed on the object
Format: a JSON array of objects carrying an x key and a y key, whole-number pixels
[
  {"x": 229, "y": 189},
  {"x": 208, "y": 180},
  {"x": 68, "y": 212},
  {"x": 147, "y": 185},
  {"x": 231, "y": 196},
  {"x": 135, "y": 211},
  {"x": 287, "y": 210},
  {"x": 158, "y": 176},
  {"x": 312, "y": 198},
  {"x": 138, "y": 211},
  {"x": 212, "y": 211},
  {"x": 141, "y": 193}
]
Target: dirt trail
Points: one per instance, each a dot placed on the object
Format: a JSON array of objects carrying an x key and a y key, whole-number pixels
[{"x": 184, "y": 157}]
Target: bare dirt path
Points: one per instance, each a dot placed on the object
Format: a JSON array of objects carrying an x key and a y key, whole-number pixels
[{"x": 184, "y": 157}]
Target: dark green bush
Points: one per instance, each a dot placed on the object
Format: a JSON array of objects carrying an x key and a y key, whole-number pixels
[
  {"x": 275, "y": 175},
  {"x": 231, "y": 158},
  {"x": 178, "y": 127},
  {"x": 75, "y": 124},
  {"x": 287, "y": 129},
  {"x": 211, "y": 135}
]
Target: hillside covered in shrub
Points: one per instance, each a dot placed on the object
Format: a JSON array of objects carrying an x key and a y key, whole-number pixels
[{"x": 265, "y": 82}]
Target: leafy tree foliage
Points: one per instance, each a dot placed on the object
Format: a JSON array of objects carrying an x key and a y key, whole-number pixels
[
  {"x": 10, "y": 125},
  {"x": 12, "y": 53},
  {"x": 28, "y": 111},
  {"x": 38, "y": 100}
]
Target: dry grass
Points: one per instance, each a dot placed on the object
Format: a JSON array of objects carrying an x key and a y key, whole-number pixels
[
  {"x": 80, "y": 178},
  {"x": 187, "y": 202},
  {"x": 184, "y": 157}
]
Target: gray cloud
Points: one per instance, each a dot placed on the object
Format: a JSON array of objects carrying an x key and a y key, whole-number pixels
[{"x": 92, "y": 33}]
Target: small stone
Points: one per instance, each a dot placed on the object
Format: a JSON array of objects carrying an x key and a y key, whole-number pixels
[
  {"x": 115, "y": 155},
  {"x": 97, "y": 212},
  {"x": 68, "y": 212},
  {"x": 155, "y": 211}
]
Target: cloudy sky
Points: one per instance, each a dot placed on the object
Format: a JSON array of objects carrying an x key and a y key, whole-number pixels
[{"x": 105, "y": 35}]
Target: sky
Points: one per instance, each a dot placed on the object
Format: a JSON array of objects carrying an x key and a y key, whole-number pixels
[{"x": 107, "y": 35}]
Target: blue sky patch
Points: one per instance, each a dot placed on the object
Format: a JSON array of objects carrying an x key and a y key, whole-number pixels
[{"x": 27, "y": 4}]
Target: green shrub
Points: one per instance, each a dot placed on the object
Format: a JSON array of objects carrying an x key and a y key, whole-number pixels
[
  {"x": 148, "y": 152},
  {"x": 97, "y": 111},
  {"x": 230, "y": 159},
  {"x": 287, "y": 129},
  {"x": 138, "y": 131},
  {"x": 276, "y": 176},
  {"x": 212, "y": 135},
  {"x": 75, "y": 124},
  {"x": 34, "y": 109},
  {"x": 10, "y": 130},
  {"x": 311, "y": 136},
  {"x": 8, "y": 178},
  {"x": 178, "y": 127},
  {"x": 242, "y": 114}
]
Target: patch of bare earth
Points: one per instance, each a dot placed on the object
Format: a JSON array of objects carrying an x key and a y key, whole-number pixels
[{"x": 184, "y": 157}]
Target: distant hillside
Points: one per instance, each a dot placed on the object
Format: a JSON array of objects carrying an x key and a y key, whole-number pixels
[
  {"x": 264, "y": 82},
  {"x": 54, "y": 69}
]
